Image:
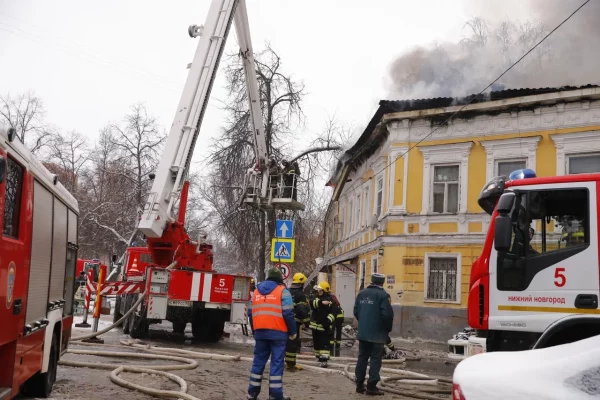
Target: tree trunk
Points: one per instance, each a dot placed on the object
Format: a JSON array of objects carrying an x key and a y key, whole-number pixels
[{"x": 262, "y": 262}]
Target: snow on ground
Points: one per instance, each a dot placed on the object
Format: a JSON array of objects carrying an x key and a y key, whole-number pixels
[{"x": 570, "y": 371}]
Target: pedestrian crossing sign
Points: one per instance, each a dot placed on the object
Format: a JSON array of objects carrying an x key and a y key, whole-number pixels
[{"x": 282, "y": 250}]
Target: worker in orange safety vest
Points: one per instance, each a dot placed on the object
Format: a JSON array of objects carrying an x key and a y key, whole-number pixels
[{"x": 272, "y": 322}]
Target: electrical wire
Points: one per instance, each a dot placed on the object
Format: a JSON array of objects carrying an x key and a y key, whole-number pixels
[{"x": 473, "y": 97}]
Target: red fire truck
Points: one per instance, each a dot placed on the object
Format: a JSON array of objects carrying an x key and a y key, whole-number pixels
[
  {"x": 86, "y": 265},
  {"x": 536, "y": 283},
  {"x": 38, "y": 255}
]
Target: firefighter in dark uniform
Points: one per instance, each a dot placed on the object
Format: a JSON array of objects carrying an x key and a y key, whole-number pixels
[
  {"x": 322, "y": 323},
  {"x": 290, "y": 179},
  {"x": 302, "y": 316},
  {"x": 336, "y": 335}
]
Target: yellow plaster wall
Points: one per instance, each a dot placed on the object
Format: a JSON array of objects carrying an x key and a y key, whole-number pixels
[
  {"x": 475, "y": 227},
  {"x": 545, "y": 159},
  {"x": 443, "y": 227},
  {"x": 415, "y": 182},
  {"x": 476, "y": 176},
  {"x": 395, "y": 227},
  {"x": 399, "y": 183}
]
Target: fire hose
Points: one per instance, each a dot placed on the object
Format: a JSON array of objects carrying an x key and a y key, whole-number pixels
[{"x": 402, "y": 382}]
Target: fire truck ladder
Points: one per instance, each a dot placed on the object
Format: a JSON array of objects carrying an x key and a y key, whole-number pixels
[{"x": 267, "y": 191}]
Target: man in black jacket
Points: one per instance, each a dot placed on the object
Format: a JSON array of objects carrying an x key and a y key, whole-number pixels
[
  {"x": 373, "y": 310},
  {"x": 302, "y": 316}
]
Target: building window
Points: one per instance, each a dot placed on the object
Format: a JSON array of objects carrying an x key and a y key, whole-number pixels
[
  {"x": 357, "y": 222},
  {"x": 379, "y": 200},
  {"x": 584, "y": 164},
  {"x": 342, "y": 232},
  {"x": 505, "y": 168},
  {"x": 443, "y": 275},
  {"x": 374, "y": 266},
  {"x": 363, "y": 272},
  {"x": 349, "y": 225},
  {"x": 367, "y": 204},
  {"x": 12, "y": 202},
  {"x": 445, "y": 188}
]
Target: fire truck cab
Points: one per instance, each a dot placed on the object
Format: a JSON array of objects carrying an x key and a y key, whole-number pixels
[
  {"x": 38, "y": 256},
  {"x": 537, "y": 281}
]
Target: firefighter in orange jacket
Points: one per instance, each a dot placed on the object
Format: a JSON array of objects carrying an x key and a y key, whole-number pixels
[
  {"x": 272, "y": 321},
  {"x": 322, "y": 322}
]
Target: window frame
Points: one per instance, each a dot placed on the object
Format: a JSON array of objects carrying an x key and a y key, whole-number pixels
[
  {"x": 350, "y": 210},
  {"x": 362, "y": 274},
  {"x": 497, "y": 163},
  {"x": 375, "y": 262},
  {"x": 367, "y": 204},
  {"x": 378, "y": 206},
  {"x": 568, "y": 158},
  {"x": 433, "y": 183},
  {"x": 18, "y": 201},
  {"x": 434, "y": 255},
  {"x": 358, "y": 222}
]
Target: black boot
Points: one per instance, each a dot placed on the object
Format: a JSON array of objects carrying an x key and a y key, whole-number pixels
[
  {"x": 283, "y": 398},
  {"x": 360, "y": 387},
  {"x": 374, "y": 391}
]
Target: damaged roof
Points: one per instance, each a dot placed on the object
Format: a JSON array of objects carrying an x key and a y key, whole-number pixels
[{"x": 376, "y": 132}]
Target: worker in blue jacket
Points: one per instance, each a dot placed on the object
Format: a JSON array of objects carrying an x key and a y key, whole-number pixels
[
  {"x": 272, "y": 321},
  {"x": 373, "y": 310}
]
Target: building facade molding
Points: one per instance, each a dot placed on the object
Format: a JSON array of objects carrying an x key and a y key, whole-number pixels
[
  {"x": 557, "y": 116},
  {"x": 509, "y": 149},
  {"x": 455, "y": 153},
  {"x": 574, "y": 143}
]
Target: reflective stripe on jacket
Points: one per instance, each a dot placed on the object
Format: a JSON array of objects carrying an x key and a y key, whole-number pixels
[{"x": 267, "y": 311}]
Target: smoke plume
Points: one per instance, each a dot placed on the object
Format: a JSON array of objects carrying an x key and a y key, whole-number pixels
[{"x": 570, "y": 56}]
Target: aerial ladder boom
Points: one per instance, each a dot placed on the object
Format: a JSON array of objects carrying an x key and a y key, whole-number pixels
[
  {"x": 177, "y": 154},
  {"x": 174, "y": 164}
]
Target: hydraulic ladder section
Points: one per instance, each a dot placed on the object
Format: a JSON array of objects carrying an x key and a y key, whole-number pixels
[
  {"x": 267, "y": 191},
  {"x": 183, "y": 134}
]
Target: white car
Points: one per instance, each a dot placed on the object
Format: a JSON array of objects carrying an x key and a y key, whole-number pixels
[{"x": 569, "y": 371}]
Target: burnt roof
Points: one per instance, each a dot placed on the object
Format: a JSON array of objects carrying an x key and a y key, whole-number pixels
[{"x": 442, "y": 102}]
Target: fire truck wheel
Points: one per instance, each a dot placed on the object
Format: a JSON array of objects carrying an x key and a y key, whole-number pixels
[
  {"x": 179, "y": 326},
  {"x": 117, "y": 313},
  {"x": 207, "y": 331},
  {"x": 138, "y": 328},
  {"x": 41, "y": 385},
  {"x": 126, "y": 321}
]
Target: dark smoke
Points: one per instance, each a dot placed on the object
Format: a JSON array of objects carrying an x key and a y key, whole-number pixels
[{"x": 570, "y": 56}]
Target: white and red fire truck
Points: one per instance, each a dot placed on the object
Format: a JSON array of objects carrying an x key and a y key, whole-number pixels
[
  {"x": 537, "y": 281},
  {"x": 38, "y": 255},
  {"x": 180, "y": 284}
]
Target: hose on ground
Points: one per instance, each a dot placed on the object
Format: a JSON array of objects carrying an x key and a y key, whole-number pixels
[
  {"x": 396, "y": 381},
  {"x": 103, "y": 331}
]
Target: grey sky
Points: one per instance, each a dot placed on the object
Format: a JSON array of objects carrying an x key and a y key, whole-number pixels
[{"x": 90, "y": 61}]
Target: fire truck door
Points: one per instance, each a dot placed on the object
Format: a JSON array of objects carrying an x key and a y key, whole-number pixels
[
  {"x": 551, "y": 267},
  {"x": 14, "y": 248}
]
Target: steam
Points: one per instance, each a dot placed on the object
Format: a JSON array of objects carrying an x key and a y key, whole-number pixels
[{"x": 570, "y": 56}]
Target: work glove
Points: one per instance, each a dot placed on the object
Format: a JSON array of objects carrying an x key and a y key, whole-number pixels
[{"x": 293, "y": 337}]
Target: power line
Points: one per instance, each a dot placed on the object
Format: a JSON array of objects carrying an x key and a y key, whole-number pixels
[
  {"x": 474, "y": 97},
  {"x": 81, "y": 52}
]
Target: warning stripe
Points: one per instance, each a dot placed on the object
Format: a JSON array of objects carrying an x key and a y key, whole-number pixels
[{"x": 562, "y": 310}]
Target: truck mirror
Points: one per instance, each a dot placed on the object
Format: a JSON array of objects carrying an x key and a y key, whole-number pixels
[
  {"x": 2, "y": 169},
  {"x": 114, "y": 258},
  {"x": 503, "y": 233},
  {"x": 506, "y": 203}
]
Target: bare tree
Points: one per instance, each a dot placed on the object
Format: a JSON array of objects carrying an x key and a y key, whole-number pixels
[
  {"x": 25, "y": 112},
  {"x": 139, "y": 140},
  {"x": 70, "y": 152},
  {"x": 247, "y": 232}
]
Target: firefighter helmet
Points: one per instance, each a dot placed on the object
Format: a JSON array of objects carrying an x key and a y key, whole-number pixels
[
  {"x": 299, "y": 277},
  {"x": 325, "y": 286}
]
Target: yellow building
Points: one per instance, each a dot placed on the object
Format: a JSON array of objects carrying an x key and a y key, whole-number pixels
[{"x": 405, "y": 195}]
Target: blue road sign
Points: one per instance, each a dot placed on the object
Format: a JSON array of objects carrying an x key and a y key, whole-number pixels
[
  {"x": 282, "y": 250},
  {"x": 284, "y": 228}
]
